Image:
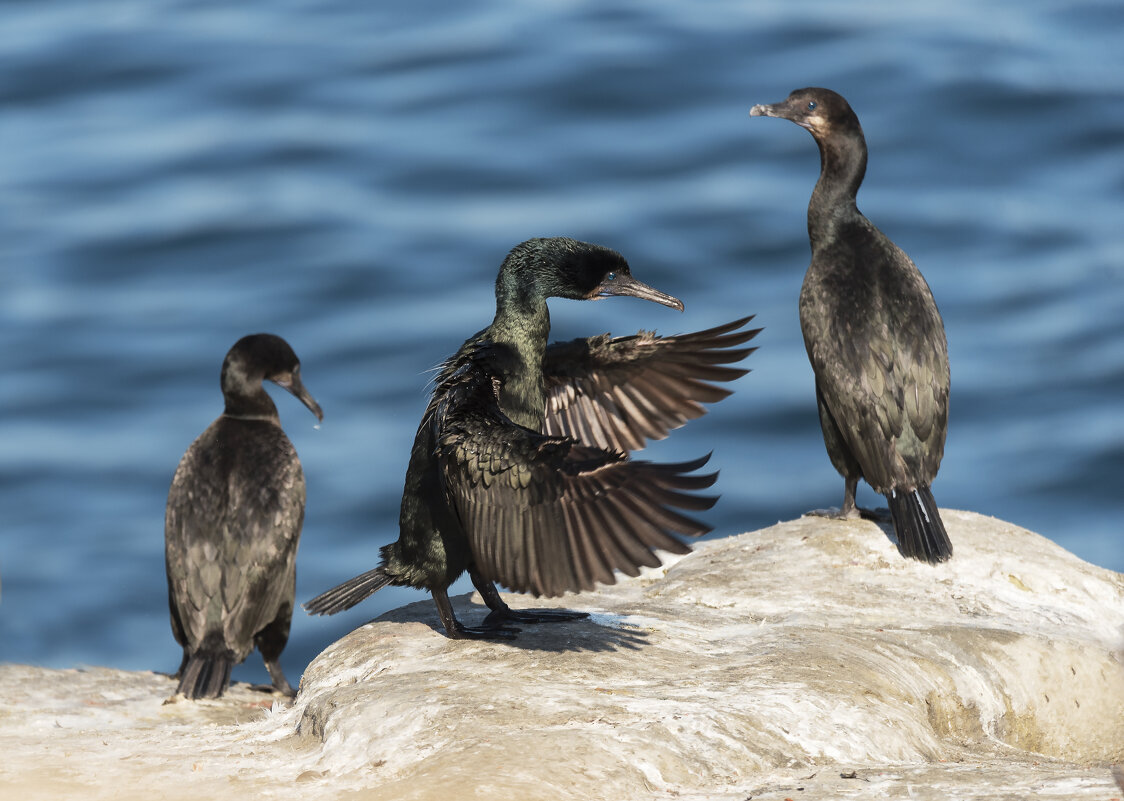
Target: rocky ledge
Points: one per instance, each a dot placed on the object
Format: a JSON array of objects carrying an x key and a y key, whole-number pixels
[{"x": 807, "y": 660}]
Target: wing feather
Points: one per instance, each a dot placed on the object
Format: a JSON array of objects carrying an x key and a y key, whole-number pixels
[
  {"x": 615, "y": 394},
  {"x": 547, "y": 515}
]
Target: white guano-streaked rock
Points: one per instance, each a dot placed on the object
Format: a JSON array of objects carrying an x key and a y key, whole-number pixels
[{"x": 805, "y": 655}]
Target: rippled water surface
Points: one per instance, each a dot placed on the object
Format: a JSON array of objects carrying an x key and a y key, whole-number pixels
[{"x": 349, "y": 175}]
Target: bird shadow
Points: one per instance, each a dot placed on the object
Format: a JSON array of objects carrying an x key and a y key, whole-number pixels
[
  {"x": 880, "y": 517},
  {"x": 599, "y": 632}
]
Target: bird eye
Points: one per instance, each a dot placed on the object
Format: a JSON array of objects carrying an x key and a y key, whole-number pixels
[
  {"x": 611, "y": 277},
  {"x": 811, "y": 105}
]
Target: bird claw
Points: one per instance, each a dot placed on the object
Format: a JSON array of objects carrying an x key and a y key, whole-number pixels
[
  {"x": 485, "y": 632},
  {"x": 833, "y": 513},
  {"x": 854, "y": 513}
]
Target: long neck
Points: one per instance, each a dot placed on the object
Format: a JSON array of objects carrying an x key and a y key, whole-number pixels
[
  {"x": 520, "y": 331},
  {"x": 246, "y": 399},
  {"x": 842, "y": 167}
]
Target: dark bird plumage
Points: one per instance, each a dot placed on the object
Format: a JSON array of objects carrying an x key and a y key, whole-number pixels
[
  {"x": 873, "y": 334},
  {"x": 519, "y": 472},
  {"x": 232, "y": 524}
]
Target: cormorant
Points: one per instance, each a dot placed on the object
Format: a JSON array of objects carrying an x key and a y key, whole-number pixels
[
  {"x": 232, "y": 524},
  {"x": 874, "y": 336},
  {"x": 519, "y": 472}
]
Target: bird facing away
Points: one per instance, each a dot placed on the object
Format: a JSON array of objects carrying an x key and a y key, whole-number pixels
[
  {"x": 232, "y": 525},
  {"x": 874, "y": 336},
  {"x": 519, "y": 472}
]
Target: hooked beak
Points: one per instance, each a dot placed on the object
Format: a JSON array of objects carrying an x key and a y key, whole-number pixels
[
  {"x": 627, "y": 285},
  {"x": 782, "y": 112},
  {"x": 292, "y": 383}
]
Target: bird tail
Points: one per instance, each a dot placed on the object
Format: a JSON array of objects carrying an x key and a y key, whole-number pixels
[
  {"x": 349, "y": 593},
  {"x": 205, "y": 675},
  {"x": 917, "y": 522}
]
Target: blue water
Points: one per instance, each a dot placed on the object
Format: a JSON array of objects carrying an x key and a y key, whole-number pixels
[{"x": 349, "y": 175}]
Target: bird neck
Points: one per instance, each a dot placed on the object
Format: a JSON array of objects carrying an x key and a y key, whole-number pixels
[
  {"x": 519, "y": 334},
  {"x": 246, "y": 399},
  {"x": 842, "y": 167}
]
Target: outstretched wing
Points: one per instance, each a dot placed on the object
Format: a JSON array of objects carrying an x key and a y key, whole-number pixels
[
  {"x": 615, "y": 394},
  {"x": 546, "y": 515}
]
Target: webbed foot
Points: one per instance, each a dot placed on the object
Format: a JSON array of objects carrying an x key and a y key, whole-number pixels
[
  {"x": 877, "y": 515},
  {"x": 455, "y": 630},
  {"x": 500, "y": 616},
  {"x": 854, "y": 513},
  {"x": 834, "y": 513},
  {"x": 502, "y": 613},
  {"x": 485, "y": 632}
]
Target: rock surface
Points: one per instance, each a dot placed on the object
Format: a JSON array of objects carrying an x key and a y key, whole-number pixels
[{"x": 807, "y": 660}]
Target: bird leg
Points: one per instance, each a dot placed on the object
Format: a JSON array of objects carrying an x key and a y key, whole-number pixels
[
  {"x": 271, "y": 642},
  {"x": 501, "y": 612},
  {"x": 455, "y": 630},
  {"x": 850, "y": 510},
  {"x": 280, "y": 683},
  {"x": 850, "y": 486}
]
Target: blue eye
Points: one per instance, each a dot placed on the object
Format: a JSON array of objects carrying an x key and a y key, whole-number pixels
[
  {"x": 811, "y": 105},
  {"x": 611, "y": 277}
]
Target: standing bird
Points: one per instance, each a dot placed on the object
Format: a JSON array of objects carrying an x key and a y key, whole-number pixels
[
  {"x": 518, "y": 473},
  {"x": 232, "y": 525},
  {"x": 874, "y": 336}
]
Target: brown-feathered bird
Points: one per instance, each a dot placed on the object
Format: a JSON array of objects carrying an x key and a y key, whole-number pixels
[
  {"x": 874, "y": 336},
  {"x": 519, "y": 472},
  {"x": 232, "y": 524}
]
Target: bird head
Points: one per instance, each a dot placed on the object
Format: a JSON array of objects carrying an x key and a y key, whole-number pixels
[
  {"x": 817, "y": 110},
  {"x": 559, "y": 267},
  {"x": 258, "y": 357}
]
